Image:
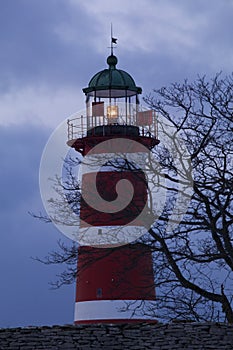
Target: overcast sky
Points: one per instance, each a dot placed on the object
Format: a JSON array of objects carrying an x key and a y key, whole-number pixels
[{"x": 49, "y": 51}]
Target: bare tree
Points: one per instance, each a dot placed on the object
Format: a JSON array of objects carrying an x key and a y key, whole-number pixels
[
  {"x": 193, "y": 263},
  {"x": 196, "y": 259}
]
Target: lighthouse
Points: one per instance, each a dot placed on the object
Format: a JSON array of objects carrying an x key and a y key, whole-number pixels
[{"x": 115, "y": 279}]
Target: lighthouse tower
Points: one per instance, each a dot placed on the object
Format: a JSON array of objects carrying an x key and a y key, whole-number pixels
[{"x": 115, "y": 279}]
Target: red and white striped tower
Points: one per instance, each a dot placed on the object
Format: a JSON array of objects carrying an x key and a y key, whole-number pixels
[{"x": 113, "y": 278}]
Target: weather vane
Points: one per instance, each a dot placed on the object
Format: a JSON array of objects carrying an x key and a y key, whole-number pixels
[{"x": 113, "y": 41}]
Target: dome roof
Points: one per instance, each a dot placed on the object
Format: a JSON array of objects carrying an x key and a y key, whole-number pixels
[{"x": 118, "y": 81}]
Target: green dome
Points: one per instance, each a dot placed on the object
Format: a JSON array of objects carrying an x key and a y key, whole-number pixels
[{"x": 118, "y": 81}]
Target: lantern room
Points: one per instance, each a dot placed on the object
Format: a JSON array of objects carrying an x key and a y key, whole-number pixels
[
  {"x": 111, "y": 93},
  {"x": 112, "y": 110}
]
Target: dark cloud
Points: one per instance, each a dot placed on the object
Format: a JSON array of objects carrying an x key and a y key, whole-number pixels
[
  {"x": 32, "y": 47},
  {"x": 20, "y": 149},
  {"x": 25, "y": 295},
  {"x": 53, "y": 43}
]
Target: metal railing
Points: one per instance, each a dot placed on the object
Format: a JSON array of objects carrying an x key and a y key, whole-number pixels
[{"x": 144, "y": 119}]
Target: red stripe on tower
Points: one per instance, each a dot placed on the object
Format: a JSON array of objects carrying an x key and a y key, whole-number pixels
[
  {"x": 105, "y": 182},
  {"x": 114, "y": 285}
]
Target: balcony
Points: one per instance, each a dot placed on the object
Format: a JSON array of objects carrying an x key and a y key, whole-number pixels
[{"x": 112, "y": 120}]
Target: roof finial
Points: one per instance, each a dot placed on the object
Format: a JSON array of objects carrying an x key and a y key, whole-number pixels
[{"x": 113, "y": 41}]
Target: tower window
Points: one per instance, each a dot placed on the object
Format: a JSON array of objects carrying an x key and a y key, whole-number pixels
[{"x": 99, "y": 293}]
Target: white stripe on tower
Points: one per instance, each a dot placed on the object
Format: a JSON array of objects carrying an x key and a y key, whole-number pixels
[{"x": 111, "y": 310}]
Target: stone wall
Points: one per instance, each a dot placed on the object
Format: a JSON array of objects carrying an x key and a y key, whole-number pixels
[{"x": 174, "y": 336}]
